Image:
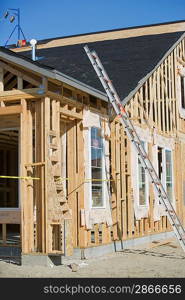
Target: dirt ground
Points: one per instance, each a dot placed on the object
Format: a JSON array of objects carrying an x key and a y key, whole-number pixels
[{"x": 152, "y": 260}]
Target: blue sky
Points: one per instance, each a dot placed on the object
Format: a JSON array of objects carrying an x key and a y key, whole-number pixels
[{"x": 42, "y": 19}]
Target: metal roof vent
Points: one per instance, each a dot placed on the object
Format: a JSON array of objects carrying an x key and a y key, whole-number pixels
[{"x": 33, "y": 43}]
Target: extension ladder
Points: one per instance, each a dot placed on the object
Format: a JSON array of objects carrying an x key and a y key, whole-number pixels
[{"x": 132, "y": 134}]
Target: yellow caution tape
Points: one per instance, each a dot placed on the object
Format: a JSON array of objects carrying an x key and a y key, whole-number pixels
[{"x": 20, "y": 177}]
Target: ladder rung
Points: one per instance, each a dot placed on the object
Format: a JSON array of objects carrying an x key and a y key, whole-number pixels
[
  {"x": 178, "y": 225},
  {"x": 161, "y": 196},
  {"x": 149, "y": 169},
  {"x": 170, "y": 211},
  {"x": 156, "y": 182},
  {"x": 136, "y": 142},
  {"x": 107, "y": 80},
  {"x": 130, "y": 129}
]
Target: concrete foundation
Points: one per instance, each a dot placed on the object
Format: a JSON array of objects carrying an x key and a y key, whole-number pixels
[
  {"x": 119, "y": 245},
  {"x": 40, "y": 259},
  {"x": 37, "y": 259},
  {"x": 10, "y": 251}
]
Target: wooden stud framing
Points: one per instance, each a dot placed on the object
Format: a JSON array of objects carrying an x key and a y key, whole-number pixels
[{"x": 154, "y": 105}]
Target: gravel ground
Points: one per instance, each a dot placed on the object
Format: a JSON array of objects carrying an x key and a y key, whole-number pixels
[{"x": 161, "y": 261}]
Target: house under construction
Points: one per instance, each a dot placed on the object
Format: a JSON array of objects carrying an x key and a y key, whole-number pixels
[{"x": 71, "y": 182}]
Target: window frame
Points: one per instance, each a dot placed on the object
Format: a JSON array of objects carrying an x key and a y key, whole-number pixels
[
  {"x": 163, "y": 177},
  {"x": 146, "y": 180},
  {"x": 103, "y": 171}
]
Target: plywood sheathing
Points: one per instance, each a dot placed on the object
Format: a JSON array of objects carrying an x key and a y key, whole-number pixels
[{"x": 110, "y": 35}]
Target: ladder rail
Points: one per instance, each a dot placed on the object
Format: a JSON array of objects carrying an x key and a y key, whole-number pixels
[{"x": 135, "y": 139}]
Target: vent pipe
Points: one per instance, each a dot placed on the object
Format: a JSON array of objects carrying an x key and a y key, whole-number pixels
[{"x": 33, "y": 43}]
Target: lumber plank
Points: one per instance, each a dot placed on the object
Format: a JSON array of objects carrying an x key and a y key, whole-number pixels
[
  {"x": 10, "y": 217},
  {"x": 46, "y": 128},
  {"x": 102, "y": 36},
  {"x": 80, "y": 178},
  {"x": 25, "y": 214},
  {"x": 20, "y": 74},
  {"x": 11, "y": 110},
  {"x": 22, "y": 94},
  {"x": 70, "y": 113}
]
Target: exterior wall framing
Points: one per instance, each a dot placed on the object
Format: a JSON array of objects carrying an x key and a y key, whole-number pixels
[{"x": 52, "y": 208}]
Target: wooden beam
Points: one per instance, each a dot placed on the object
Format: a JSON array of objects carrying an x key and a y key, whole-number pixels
[
  {"x": 8, "y": 78},
  {"x": 11, "y": 110},
  {"x": 22, "y": 94},
  {"x": 35, "y": 164},
  {"x": 26, "y": 126},
  {"x": 20, "y": 74},
  {"x": 12, "y": 84},
  {"x": 70, "y": 113}
]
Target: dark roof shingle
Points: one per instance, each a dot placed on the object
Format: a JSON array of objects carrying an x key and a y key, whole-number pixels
[{"x": 126, "y": 61}]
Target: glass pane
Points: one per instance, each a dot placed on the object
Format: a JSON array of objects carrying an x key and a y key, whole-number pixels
[
  {"x": 97, "y": 196},
  {"x": 142, "y": 182},
  {"x": 96, "y": 139},
  {"x": 99, "y": 139},
  {"x": 142, "y": 185},
  {"x": 97, "y": 174},
  {"x": 169, "y": 174},
  {"x": 94, "y": 157},
  {"x": 96, "y": 166},
  {"x": 93, "y": 134},
  {"x": 169, "y": 190},
  {"x": 142, "y": 194},
  {"x": 99, "y": 157},
  {"x": 168, "y": 164}
]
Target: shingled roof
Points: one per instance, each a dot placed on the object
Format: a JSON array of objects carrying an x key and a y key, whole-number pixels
[{"x": 127, "y": 60}]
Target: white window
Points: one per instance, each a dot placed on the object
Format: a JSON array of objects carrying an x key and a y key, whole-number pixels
[
  {"x": 97, "y": 171},
  {"x": 165, "y": 170},
  {"x": 142, "y": 185}
]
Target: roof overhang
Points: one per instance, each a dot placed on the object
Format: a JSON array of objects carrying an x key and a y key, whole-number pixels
[
  {"x": 59, "y": 76},
  {"x": 52, "y": 73}
]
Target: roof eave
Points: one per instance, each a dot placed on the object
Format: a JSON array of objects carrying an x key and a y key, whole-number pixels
[{"x": 53, "y": 74}]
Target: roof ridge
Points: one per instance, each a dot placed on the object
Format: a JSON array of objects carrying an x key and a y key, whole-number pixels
[
  {"x": 112, "y": 30},
  {"x": 105, "y": 31}
]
